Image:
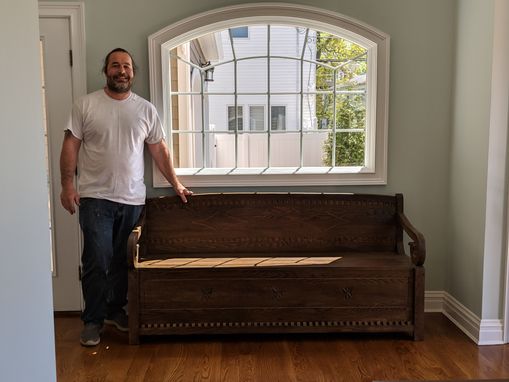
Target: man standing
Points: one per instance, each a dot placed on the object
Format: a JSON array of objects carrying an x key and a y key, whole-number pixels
[{"x": 111, "y": 127}]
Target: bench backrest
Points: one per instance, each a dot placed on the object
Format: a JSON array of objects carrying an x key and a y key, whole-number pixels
[{"x": 216, "y": 224}]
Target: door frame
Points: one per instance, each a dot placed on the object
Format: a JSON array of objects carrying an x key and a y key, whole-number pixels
[{"x": 75, "y": 12}]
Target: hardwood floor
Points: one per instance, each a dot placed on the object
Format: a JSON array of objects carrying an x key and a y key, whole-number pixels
[{"x": 445, "y": 353}]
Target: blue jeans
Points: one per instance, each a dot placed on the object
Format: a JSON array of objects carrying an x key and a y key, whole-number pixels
[{"x": 106, "y": 226}]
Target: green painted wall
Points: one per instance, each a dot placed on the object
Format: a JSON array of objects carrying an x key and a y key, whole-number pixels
[{"x": 422, "y": 71}]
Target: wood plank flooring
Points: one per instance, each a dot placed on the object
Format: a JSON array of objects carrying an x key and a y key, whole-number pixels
[{"x": 445, "y": 354}]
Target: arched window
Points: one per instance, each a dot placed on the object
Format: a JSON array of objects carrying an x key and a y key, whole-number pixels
[{"x": 272, "y": 94}]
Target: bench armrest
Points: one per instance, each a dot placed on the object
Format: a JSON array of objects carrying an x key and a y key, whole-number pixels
[
  {"x": 132, "y": 242},
  {"x": 418, "y": 245}
]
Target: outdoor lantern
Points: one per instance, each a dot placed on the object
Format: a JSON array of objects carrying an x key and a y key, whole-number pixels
[{"x": 209, "y": 73}]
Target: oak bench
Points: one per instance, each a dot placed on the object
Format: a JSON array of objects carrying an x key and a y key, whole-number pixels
[{"x": 275, "y": 263}]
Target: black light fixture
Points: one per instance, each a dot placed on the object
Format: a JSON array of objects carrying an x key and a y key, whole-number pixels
[{"x": 209, "y": 73}]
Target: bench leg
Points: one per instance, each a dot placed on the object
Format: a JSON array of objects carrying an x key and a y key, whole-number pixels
[
  {"x": 419, "y": 303},
  {"x": 133, "y": 307},
  {"x": 134, "y": 338}
]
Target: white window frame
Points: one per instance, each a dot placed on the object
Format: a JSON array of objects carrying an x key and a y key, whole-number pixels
[{"x": 377, "y": 43}]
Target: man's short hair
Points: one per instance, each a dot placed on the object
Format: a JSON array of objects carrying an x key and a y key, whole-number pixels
[{"x": 106, "y": 60}]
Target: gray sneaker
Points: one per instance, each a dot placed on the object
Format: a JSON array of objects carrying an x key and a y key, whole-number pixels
[
  {"x": 91, "y": 334},
  {"x": 119, "y": 320}
]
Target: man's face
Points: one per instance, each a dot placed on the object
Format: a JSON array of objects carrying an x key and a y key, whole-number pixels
[{"x": 119, "y": 72}]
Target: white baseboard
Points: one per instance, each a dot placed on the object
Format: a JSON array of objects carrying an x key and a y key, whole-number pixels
[
  {"x": 434, "y": 301},
  {"x": 482, "y": 332}
]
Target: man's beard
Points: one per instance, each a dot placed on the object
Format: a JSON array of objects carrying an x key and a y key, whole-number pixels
[{"x": 117, "y": 86}]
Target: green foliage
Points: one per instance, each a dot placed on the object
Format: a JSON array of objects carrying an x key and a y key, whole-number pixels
[
  {"x": 348, "y": 61},
  {"x": 350, "y": 114}
]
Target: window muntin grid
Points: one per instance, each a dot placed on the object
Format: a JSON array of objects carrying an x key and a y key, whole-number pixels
[{"x": 329, "y": 86}]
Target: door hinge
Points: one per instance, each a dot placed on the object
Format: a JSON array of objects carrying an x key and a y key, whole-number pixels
[{"x": 70, "y": 57}]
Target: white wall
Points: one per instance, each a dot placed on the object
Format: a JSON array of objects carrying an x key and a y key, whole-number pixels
[
  {"x": 494, "y": 267},
  {"x": 26, "y": 320},
  {"x": 469, "y": 153}
]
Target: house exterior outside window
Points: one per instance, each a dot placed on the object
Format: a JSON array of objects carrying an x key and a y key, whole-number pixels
[
  {"x": 235, "y": 121},
  {"x": 302, "y": 100},
  {"x": 256, "y": 118},
  {"x": 278, "y": 118}
]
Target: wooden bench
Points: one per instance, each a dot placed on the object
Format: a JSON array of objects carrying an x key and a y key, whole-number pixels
[{"x": 275, "y": 263}]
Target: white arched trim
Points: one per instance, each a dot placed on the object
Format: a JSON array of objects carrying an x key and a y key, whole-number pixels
[{"x": 160, "y": 43}]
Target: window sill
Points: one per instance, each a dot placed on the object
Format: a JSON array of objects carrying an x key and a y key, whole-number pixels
[{"x": 304, "y": 176}]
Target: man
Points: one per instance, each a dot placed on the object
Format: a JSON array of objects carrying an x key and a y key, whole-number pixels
[{"x": 111, "y": 127}]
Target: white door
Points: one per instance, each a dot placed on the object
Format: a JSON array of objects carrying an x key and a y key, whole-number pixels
[{"x": 57, "y": 86}]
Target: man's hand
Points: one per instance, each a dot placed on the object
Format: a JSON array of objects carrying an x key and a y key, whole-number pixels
[
  {"x": 182, "y": 192},
  {"x": 70, "y": 198},
  {"x": 161, "y": 155}
]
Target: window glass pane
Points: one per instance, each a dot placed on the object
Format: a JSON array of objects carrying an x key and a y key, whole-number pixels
[
  {"x": 218, "y": 112},
  {"x": 352, "y": 75},
  {"x": 313, "y": 145},
  {"x": 349, "y": 149},
  {"x": 324, "y": 111},
  {"x": 287, "y": 40},
  {"x": 308, "y": 77},
  {"x": 187, "y": 150},
  {"x": 255, "y": 45},
  {"x": 240, "y": 32},
  {"x": 183, "y": 76},
  {"x": 225, "y": 45},
  {"x": 324, "y": 77},
  {"x": 186, "y": 112},
  {"x": 257, "y": 101},
  {"x": 350, "y": 111},
  {"x": 309, "y": 119},
  {"x": 232, "y": 125},
  {"x": 221, "y": 150},
  {"x": 252, "y": 76},
  {"x": 205, "y": 49},
  {"x": 336, "y": 51},
  {"x": 285, "y": 150},
  {"x": 174, "y": 71},
  {"x": 289, "y": 118},
  {"x": 284, "y": 75},
  {"x": 256, "y": 118},
  {"x": 310, "y": 47},
  {"x": 224, "y": 79},
  {"x": 278, "y": 118},
  {"x": 253, "y": 150}
]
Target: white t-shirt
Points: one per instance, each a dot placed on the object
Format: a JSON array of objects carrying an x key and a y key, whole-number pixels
[{"x": 112, "y": 135}]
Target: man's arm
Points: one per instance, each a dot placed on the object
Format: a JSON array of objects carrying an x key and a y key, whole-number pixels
[
  {"x": 161, "y": 156},
  {"x": 69, "y": 197}
]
